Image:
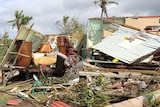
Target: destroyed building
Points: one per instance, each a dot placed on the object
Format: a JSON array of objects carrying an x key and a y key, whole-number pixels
[
  {"x": 110, "y": 48},
  {"x": 122, "y": 42},
  {"x": 31, "y": 51}
]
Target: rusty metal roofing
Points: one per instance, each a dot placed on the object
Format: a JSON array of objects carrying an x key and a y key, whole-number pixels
[{"x": 129, "y": 45}]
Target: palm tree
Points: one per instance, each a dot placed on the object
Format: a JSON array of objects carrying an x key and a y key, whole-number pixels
[
  {"x": 103, "y": 4},
  {"x": 20, "y": 19}
]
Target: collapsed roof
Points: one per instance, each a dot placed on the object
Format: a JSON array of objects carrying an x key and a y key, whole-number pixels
[{"x": 129, "y": 45}]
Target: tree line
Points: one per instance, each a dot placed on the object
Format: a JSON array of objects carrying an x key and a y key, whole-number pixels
[{"x": 67, "y": 25}]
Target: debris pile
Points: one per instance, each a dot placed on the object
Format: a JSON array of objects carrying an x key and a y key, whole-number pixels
[
  {"x": 84, "y": 91},
  {"x": 52, "y": 73}
]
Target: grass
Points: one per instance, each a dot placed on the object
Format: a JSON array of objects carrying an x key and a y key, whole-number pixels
[{"x": 5, "y": 97}]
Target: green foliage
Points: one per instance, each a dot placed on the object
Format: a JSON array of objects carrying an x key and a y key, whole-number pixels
[
  {"x": 5, "y": 97},
  {"x": 83, "y": 94},
  {"x": 70, "y": 25},
  {"x": 103, "y": 4},
  {"x": 5, "y": 43},
  {"x": 20, "y": 19}
]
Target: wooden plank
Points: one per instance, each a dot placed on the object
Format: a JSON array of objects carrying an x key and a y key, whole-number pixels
[
  {"x": 151, "y": 72},
  {"x": 113, "y": 75},
  {"x": 92, "y": 67},
  {"x": 108, "y": 74},
  {"x": 15, "y": 53}
]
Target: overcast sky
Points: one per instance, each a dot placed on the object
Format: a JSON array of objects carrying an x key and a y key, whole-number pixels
[{"x": 46, "y": 12}]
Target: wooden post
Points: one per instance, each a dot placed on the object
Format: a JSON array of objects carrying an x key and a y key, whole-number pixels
[{"x": 3, "y": 77}]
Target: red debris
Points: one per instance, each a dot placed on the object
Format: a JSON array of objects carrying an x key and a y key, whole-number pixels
[
  {"x": 13, "y": 102},
  {"x": 59, "y": 104}
]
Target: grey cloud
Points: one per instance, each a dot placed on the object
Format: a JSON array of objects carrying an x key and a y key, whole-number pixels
[
  {"x": 143, "y": 7},
  {"x": 46, "y": 13}
]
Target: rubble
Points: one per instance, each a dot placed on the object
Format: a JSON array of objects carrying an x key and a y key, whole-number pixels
[{"x": 55, "y": 76}]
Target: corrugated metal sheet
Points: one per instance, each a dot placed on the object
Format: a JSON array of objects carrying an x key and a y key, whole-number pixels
[{"x": 117, "y": 46}]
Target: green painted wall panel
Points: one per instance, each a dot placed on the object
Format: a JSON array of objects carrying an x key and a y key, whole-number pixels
[{"x": 94, "y": 30}]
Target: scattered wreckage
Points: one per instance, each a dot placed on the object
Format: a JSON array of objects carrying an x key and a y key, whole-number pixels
[
  {"x": 31, "y": 51},
  {"x": 126, "y": 62}
]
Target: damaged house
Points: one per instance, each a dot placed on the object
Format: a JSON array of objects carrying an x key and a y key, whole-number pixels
[{"x": 122, "y": 46}]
